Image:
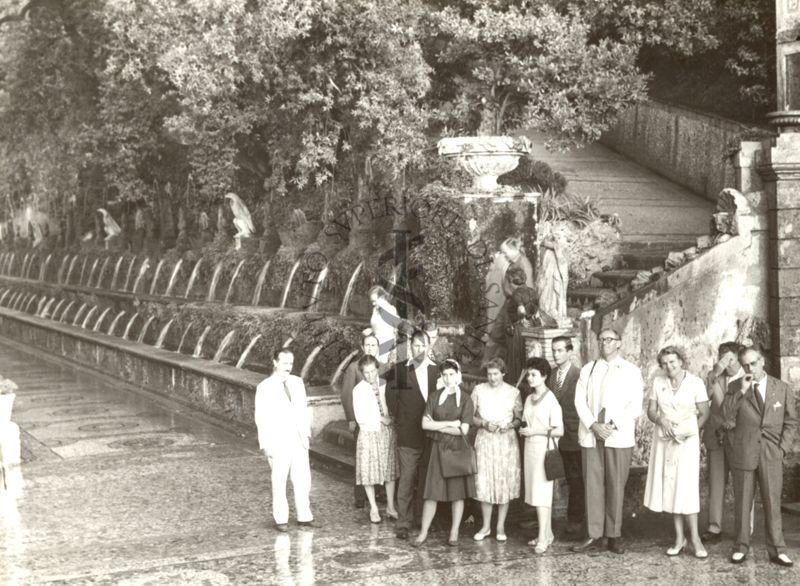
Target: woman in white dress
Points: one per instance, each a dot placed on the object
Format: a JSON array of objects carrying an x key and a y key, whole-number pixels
[
  {"x": 541, "y": 422},
  {"x": 678, "y": 405},
  {"x": 384, "y": 322},
  {"x": 376, "y": 462},
  {"x": 498, "y": 412}
]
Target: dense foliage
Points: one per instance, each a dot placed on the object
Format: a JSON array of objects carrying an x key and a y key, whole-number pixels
[{"x": 301, "y": 104}]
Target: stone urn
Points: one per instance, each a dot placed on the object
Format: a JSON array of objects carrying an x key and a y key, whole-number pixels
[{"x": 485, "y": 157}]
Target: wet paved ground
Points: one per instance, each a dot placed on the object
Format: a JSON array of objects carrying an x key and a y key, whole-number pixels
[{"x": 119, "y": 489}]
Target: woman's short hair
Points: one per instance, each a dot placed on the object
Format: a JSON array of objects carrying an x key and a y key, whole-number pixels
[
  {"x": 540, "y": 365},
  {"x": 670, "y": 351},
  {"x": 365, "y": 361},
  {"x": 377, "y": 289},
  {"x": 496, "y": 363},
  {"x": 449, "y": 364}
]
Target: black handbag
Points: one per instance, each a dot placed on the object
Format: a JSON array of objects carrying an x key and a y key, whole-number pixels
[
  {"x": 553, "y": 462},
  {"x": 457, "y": 458}
]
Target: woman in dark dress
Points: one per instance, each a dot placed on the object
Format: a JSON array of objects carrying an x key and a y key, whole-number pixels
[
  {"x": 448, "y": 416},
  {"x": 522, "y": 307}
]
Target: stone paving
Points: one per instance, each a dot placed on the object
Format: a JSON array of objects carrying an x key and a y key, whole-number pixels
[{"x": 120, "y": 488}]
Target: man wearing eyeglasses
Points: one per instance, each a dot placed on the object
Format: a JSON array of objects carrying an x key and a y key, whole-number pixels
[
  {"x": 608, "y": 399},
  {"x": 761, "y": 412}
]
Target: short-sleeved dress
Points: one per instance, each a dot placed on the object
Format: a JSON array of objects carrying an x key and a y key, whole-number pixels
[
  {"x": 539, "y": 416},
  {"x": 376, "y": 446},
  {"x": 673, "y": 475},
  {"x": 498, "y": 477},
  {"x": 437, "y": 487}
]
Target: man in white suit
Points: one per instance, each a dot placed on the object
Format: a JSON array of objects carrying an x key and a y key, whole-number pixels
[
  {"x": 284, "y": 430},
  {"x": 608, "y": 399}
]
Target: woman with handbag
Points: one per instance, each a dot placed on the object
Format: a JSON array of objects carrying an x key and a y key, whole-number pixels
[
  {"x": 451, "y": 459},
  {"x": 542, "y": 422},
  {"x": 498, "y": 412},
  {"x": 678, "y": 406}
]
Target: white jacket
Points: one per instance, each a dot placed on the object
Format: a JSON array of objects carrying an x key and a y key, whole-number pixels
[{"x": 281, "y": 422}]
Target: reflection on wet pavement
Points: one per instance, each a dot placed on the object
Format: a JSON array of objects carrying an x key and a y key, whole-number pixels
[{"x": 117, "y": 488}]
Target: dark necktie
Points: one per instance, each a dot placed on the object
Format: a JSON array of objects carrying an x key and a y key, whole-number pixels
[
  {"x": 559, "y": 380},
  {"x": 286, "y": 390},
  {"x": 759, "y": 399}
]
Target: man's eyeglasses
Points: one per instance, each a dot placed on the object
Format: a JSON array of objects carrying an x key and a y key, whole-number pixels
[
  {"x": 751, "y": 364},
  {"x": 607, "y": 340}
]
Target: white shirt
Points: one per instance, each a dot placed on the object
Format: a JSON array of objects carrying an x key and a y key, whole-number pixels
[
  {"x": 421, "y": 371},
  {"x": 616, "y": 386},
  {"x": 281, "y": 422}
]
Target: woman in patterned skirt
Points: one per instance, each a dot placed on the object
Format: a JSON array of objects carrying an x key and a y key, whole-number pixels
[
  {"x": 447, "y": 418},
  {"x": 541, "y": 421},
  {"x": 376, "y": 462},
  {"x": 498, "y": 412}
]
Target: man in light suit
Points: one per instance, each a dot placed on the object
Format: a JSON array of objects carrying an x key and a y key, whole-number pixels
[
  {"x": 608, "y": 399},
  {"x": 284, "y": 431},
  {"x": 761, "y": 412},
  {"x": 726, "y": 370},
  {"x": 406, "y": 398},
  {"x": 562, "y": 381}
]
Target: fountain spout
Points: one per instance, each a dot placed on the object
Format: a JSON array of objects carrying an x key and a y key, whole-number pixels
[
  {"x": 30, "y": 302},
  {"x": 247, "y": 350},
  {"x": 56, "y": 308},
  {"x": 342, "y": 365},
  {"x": 198, "y": 348},
  {"x": 260, "y": 284},
  {"x": 102, "y": 274},
  {"x": 145, "y": 327},
  {"x": 91, "y": 272},
  {"x": 100, "y": 319},
  {"x": 233, "y": 280},
  {"x": 116, "y": 273},
  {"x": 61, "y": 268},
  {"x": 223, "y": 345},
  {"x": 45, "y": 312},
  {"x": 193, "y": 277},
  {"x": 163, "y": 334},
  {"x": 155, "y": 276},
  {"x": 172, "y": 277},
  {"x": 69, "y": 270},
  {"x": 89, "y": 315},
  {"x": 212, "y": 289},
  {"x": 83, "y": 270},
  {"x": 129, "y": 274},
  {"x": 114, "y": 323},
  {"x": 79, "y": 314},
  {"x": 43, "y": 268},
  {"x": 310, "y": 362},
  {"x": 183, "y": 337},
  {"x": 289, "y": 283},
  {"x": 129, "y": 326},
  {"x": 349, "y": 291},
  {"x": 142, "y": 270},
  {"x": 313, "y": 303}
]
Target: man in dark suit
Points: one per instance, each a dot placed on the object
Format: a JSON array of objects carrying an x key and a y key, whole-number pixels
[
  {"x": 760, "y": 412},
  {"x": 406, "y": 398},
  {"x": 562, "y": 381}
]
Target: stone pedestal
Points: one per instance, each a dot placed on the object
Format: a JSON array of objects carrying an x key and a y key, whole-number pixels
[
  {"x": 538, "y": 341},
  {"x": 781, "y": 173}
]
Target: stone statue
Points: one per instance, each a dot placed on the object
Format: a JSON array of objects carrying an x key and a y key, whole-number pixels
[
  {"x": 553, "y": 276},
  {"x": 110, "y": 226},
  {"x": 241, "y": 219}
]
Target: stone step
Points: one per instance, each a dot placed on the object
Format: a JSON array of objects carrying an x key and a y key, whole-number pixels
[
  {"x": 337, "y": 433},
  {"x": 616, "y": 278},
  {"x": 643, "y": 261}
]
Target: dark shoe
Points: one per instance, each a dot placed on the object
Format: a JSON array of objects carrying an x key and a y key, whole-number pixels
[
  {"x": 711, "y": 537},
  {"x": 401, "y": 533},
  {"x": 282, "y": 527},
  {"x": 312, "y": 524},
  {"x": 615, "y": 545},
  {"x": 782, "y": 560},
  {"x": 588, "y": 545}
]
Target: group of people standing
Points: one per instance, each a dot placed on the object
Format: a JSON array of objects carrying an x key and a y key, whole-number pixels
[{"x": 412, "y": 419}]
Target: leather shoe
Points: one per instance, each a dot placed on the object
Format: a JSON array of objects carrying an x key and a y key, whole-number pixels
[
  {"x": 615, "y": 545},
  {"x": 282, "y": 527},
  {"x": 738, "y": 557},
  {"x": 312, "y": 524},
  {"x": 588, "y": 545},
  {"x": 401, "y": 533},
  {"x": 710, "y": 537},
  {"x": 782, "y": 560}
]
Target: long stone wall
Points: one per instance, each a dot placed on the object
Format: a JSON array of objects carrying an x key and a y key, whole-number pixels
[
  {"x": 688, "y": 147},
  {"x": 217, "y": 389}
]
